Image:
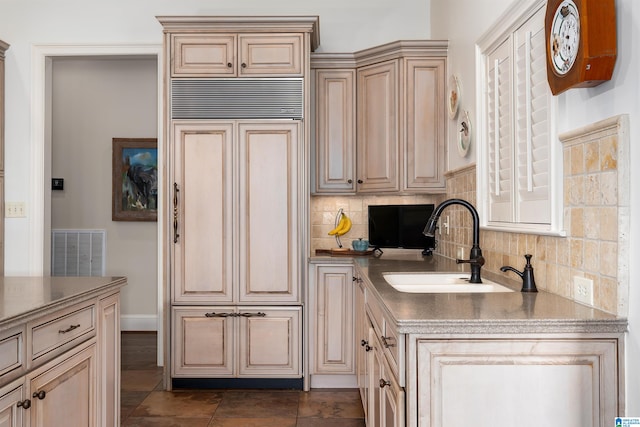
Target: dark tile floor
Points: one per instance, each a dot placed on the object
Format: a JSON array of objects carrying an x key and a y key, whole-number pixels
[{"x": 145, "y": 403}]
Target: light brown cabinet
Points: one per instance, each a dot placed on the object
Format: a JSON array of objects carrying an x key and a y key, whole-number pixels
[
  {"x": 332, "y": 324},
  {"x": 63, "y": 392},
  {"x": 12, "y": 398},
  {"x": 65, "y": 370},
  {"x": 231, "y": 341},
  {"x": 335, "y": 130},
  {"x": 235, "y": 236},
  {"x": 236, "y": 206},
  {"x": 459, "y": 379},
  {"x": 380, "y": 375},
  {"x": 378, "y": 136},
  {"x": 237, "y": 55},
  {"x": 400, "y": 121}
]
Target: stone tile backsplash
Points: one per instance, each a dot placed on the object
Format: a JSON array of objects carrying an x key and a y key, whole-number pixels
[{"x": 596, "y": 220}]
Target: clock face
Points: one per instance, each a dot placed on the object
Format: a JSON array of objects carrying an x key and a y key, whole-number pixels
[{"x": 565, "y": 37}]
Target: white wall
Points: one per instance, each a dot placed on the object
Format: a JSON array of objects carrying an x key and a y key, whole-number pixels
[
  {"x": 94, "y": 100},
  {"x": 344, "y": 27},
  {"x": 463, "y": 21}
]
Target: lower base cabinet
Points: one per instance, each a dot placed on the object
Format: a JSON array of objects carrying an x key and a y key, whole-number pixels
[
  {"x": 331, "y": 293},
  {"x": 535, "y": 382},
  {"x": 78, "y": 388},
  {"x": 233, "y": 341},
  {"x": 63, "y": 393},
  {"x": 483, "y": 380},
  {"x": 386, "y": 397}
]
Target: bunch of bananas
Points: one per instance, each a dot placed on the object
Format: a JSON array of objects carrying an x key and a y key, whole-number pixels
[{"x": 344, "y": 225}]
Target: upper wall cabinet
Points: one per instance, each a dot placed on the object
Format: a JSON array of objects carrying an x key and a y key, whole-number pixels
[
  {"x": 394, "y": 143},
  {"x": 232, "y": 46},
  {"x": 231, "y": 55}
]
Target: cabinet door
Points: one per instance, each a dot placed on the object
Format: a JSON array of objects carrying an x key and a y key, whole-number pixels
[
  {"x": 108, "y": 336},
  {"x": 10, "y": 395},
  {"x": 335, "y": 137},
  {"x": 392, "y": 399},
  {"x": 508, "y": 382},
  {"x": 362, "y": 348},
  {"x": 270, "y": 54},
  {"x": 270, "y": 342},
  {"x": 425, "y": 124},
  {"x": 378, "y": 136},
  {"x": 202, "y": 250},
  {"x": 374, "y": 418},
  {"x": 211, "y": 55},
  {"x": 63, "y": 391},
  {"x": 203, "y": 342},
  {"x": 268, "y": 212},
  {"x": 333, "y": 320}
]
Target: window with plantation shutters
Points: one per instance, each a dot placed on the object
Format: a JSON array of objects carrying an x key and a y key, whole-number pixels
[
  {"x": 499, "y": 143},
  {"x": 519, "y": 187}
]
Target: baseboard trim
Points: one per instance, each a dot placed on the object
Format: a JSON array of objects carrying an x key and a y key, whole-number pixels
[
  {"x": 334, "y": 381},
  {"x": 138, "y": 322}
]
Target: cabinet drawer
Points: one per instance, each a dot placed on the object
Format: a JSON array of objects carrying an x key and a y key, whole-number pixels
[
  {"x": 52, "y": 332},
  {"x": 393, "y": 348},
  {"x": 376, "y": 315},
  {"x": 11, "y": 350}
]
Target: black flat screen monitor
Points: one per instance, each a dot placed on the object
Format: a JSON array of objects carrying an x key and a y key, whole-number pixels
[{"x": 399, "y": 226}]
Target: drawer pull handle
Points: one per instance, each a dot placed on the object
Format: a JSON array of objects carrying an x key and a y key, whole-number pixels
[
  {"x": 26, "y": 404},
  {"x": 176, "y": 190},
  {"x": 385, "y": 343},
  {"x": 384, "y": 383},
  {"x": 258, "y": 314},
  {"x": 40, "y": 394},
  {"x": 213, "y": 314},
  {"x": 69, "y": 329}
]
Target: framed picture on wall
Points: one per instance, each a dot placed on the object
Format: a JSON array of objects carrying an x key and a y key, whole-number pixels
[{"x": 135, "y": 179}]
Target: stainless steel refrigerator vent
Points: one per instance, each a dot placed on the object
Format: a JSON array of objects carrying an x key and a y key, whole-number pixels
[{"x": 237, "y": 99}]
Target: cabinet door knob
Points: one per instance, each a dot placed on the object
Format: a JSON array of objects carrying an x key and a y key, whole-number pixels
[
  {"x": 350, "y": 181},
  {"x": 384, "y": 383},
  {"x": 364, "y": 342},
  {"x": 368, "y": 348},
  {"x": 243, "y": 65},
  {"x": 229, "y": 65},
  {"x": 360, "y": 181},
  {"x": 39, "y": 394},
  {"x": 26, "y": 404}
]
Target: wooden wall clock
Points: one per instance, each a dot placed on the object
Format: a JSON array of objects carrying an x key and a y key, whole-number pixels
[{"x": 581, "y": 43}]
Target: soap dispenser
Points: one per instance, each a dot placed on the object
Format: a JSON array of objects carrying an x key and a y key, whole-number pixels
[{"x": 528, "y": 282}]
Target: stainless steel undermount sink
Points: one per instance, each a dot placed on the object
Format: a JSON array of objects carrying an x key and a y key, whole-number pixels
[{"x": 428, "y": 283}]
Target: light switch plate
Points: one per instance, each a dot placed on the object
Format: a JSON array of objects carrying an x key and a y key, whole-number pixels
[
  {"x": 583, "y": 290},
  {"x": 14, "y": 210}
]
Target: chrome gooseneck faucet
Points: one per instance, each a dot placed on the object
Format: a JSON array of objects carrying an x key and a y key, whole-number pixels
[{"x": 476, "y": 260}]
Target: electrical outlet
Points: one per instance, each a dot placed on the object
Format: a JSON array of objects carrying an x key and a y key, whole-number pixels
[
  {"x": 445, "y": 225},
  {"x": 460, "y": 254},
  {"x": 583, "y": 290},
  {"x": 14, "y": 209}
]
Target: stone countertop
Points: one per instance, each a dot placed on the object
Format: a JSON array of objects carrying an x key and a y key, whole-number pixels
[
  {"x": 23, "y": 298},
  {"x": 474, "y": 313}
]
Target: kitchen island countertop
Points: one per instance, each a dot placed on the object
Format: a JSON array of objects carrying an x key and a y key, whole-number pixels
[
  {"x": 24, "y": 298},
  {"x": 473, "y": 313}
]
